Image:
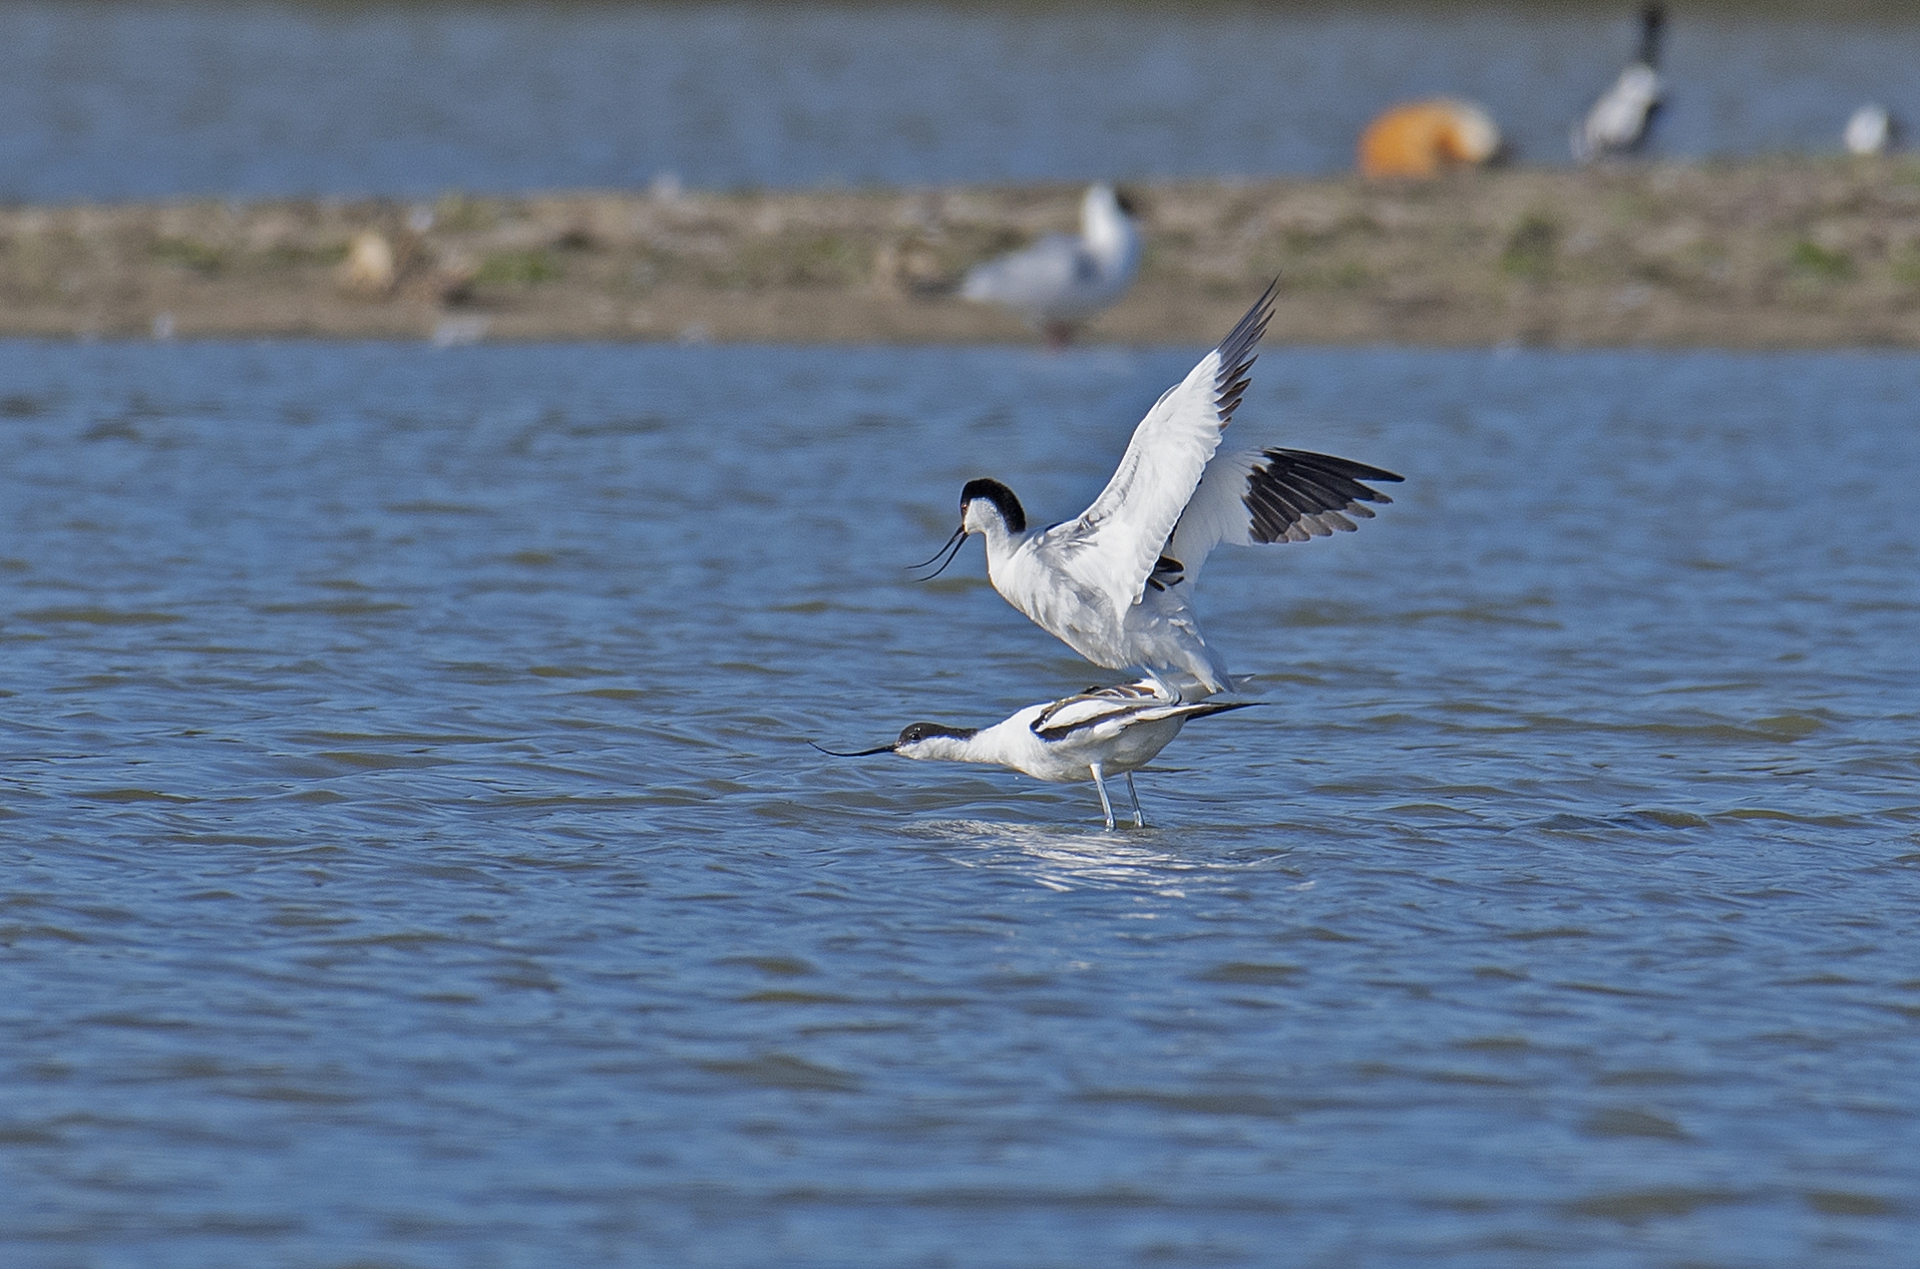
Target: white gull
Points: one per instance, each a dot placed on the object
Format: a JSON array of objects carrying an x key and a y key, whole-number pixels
[{"x": 1064, "y": 279}]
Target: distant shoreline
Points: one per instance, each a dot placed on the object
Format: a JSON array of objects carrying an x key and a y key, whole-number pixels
[{"x": 1773, "y": 253}]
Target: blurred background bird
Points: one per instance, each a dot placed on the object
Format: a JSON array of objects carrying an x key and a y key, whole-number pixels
[
  {"x": 1424, "y": 138},
  {"x": 1064, "y": 279},
  {"x": 1870, "y": 130},
  {"x": 1618, "y": 123}
]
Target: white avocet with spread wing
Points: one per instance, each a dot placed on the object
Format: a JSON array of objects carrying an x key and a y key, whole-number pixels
[{"x": 1116, "y": 583}]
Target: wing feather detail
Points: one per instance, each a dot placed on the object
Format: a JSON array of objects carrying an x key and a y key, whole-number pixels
[
  {"x": 1118, "y": 708},
  {"x": 1273, "y": 495},
  {"x": 1113, "y": 545},
  {"x": 1097, "y": 705}
]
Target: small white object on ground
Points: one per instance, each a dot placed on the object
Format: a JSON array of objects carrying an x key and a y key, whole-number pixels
[{"x": 368, "y": 267}]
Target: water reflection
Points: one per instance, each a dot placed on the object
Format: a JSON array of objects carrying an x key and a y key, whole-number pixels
[{"x": 1066, "y": 859}]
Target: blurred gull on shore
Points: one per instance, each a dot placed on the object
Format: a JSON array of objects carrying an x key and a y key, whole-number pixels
[
  {"x": 1425, "y": 138},
  {"x": 1064, "y": 279},
  {"x": 1870, "y": 131},
  {"x": 1619, "y": 121}
]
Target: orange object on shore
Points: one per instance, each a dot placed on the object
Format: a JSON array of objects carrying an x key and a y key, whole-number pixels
[{"x": 1422, "y": 138}]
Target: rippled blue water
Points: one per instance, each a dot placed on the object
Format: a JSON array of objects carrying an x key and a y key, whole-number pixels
[
  {"x": 412, "y": 857},
  {"x": 112, "y": 100}
]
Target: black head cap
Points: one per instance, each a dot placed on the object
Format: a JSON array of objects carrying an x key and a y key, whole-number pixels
[
  {"x": 1001, "y": 497},
  {"x": 1125, "y": 199},
  {"x": 922, "y": 731},
  {"x": 1652, "y": 18}
]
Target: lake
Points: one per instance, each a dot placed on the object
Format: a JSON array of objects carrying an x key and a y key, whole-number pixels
[
  {"x": 413, "y": 855},
  {"x": 246, "y": 99}
]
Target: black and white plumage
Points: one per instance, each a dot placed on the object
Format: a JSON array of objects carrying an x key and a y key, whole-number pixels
[
  {"x": 1116, "y": 583},
  {"x": 1101, "y": 732},
  {"x": 1620, "y": 120},
  {"x": 1064, "y": 279}
]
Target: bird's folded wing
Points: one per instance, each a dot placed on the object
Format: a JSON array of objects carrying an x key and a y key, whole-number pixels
[
  {"x": 1052, "y": 267},
  {"x": 1115, "y": 542},
  {"x": 1272, "y": 495},
  {"x": 1078, "y": 713}
]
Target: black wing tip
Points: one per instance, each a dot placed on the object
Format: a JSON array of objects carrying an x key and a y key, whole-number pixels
[
  {"x": 1297, "y": 495},
  {"x": 1252, "y": 325},
  {"x": 1237, "y": 355},
  {"x": 1347, "y": 467},
  {"x": 1204, "y": 708}
]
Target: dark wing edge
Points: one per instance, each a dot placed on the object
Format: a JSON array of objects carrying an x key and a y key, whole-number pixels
[
  {"x": 1125, "y": 696},
  {"x": 1237, "y": 355},
  {"x": 1295, "y": 495},
  {"x": 1202, "y": 709},
  {"x": 1147, "y": 705}
]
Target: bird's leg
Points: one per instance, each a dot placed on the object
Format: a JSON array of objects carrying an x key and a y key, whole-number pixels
[
  {"x": 1059, "y": 336},
  {"x": 1101, "y": 786},
  {"x": 1139, "y": 820}
]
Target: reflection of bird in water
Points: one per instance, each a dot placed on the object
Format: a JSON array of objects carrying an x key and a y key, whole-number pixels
[
  {"x": 1871, "y": 130},
  {"x": 1064, "y": 279},
  {"x": 1116, "y": 583},
  {"x": 1101, "y": 732},
  {"x": 1621, "y": 119},
  {"x": 1423, "y": 138}
]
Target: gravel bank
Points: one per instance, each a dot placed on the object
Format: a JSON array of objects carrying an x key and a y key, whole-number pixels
[{"x": 1784, "y": 253}]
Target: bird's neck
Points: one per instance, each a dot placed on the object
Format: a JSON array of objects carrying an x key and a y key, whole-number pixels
[
  {"x": 1001, "y": 542},
  {"x": 948, "y": 749},
  {"x": 1109, "y": 234},
  {"x": 1650, "y": 40}
]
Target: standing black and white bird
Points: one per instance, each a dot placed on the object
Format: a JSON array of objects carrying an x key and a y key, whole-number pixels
[
  {"x": 1620, "y": 120},
  {"x": 1101, "y": 732},
  {"x": 1064, "y": 279},
  {"x": 1116, "y": 583}
]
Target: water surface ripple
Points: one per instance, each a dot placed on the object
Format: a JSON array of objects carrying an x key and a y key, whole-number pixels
[
  {"x": 412, "y": 857},
  {"x": 250, "y": 98}
]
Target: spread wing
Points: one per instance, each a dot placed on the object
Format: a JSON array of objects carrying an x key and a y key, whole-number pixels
[
  {"x": 1271, "y": 495},
  {"x": 1112, "y": 547}
]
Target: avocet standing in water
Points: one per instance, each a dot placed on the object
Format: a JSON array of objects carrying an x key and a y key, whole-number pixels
[
  {"x": 1103, "y": 731},
  {"x": 1064, "y": 279},
  {"x": 1116, "y": 584}
]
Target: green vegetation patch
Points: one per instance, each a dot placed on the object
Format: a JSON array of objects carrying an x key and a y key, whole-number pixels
[
  {"x": 803, "y": 259},
  {"x": 456, "y": 213},
  {"x": 518, "y": 268},
  {"x": 1813, "y": 260},
  {"x": 297, "y": 256},
  {"x": 190, "y": 254},
  {"x": 1532, "y": 246}
]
